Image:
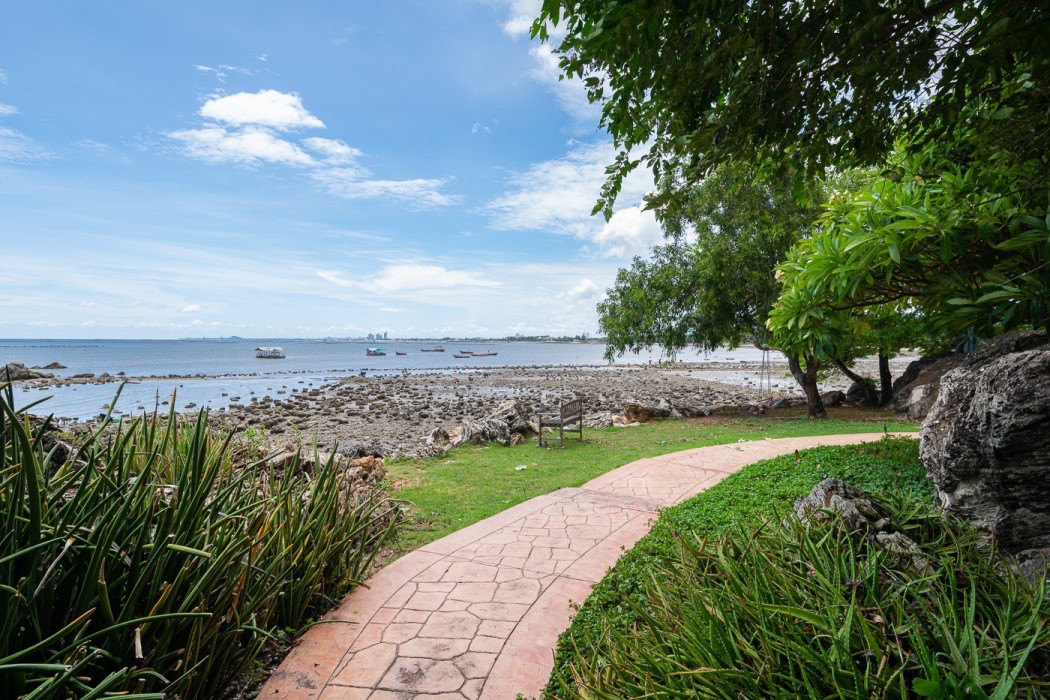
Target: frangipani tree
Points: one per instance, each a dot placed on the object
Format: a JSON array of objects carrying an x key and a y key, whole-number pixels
[{"x": 961, "y": 234}]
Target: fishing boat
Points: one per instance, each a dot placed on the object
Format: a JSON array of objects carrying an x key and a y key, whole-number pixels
[
  {"x": 436, "y": 348},
  {"x": 375, "y": 352},
  {"x": 483, "y": 354},
  {"x": 398, "y": 352},
  {"x": 460, "y": 357},
  {"x": 269, "y": 353}
]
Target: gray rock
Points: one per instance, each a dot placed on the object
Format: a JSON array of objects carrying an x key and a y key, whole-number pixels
[
  {"x": 915, "y": 391},
  {"x": 1034, "y": 564},
  {"x": 637, "y": 412},
  {"x": 833, "y": 398},
  {"x": 833, "y": 497},
  {"x": 598, "y": 421},
  {"x": 986, "y": 441},
  {"x": 19, "y": 372}
]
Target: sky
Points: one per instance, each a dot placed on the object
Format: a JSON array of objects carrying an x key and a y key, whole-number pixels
[{"x": 307, "y": 169}]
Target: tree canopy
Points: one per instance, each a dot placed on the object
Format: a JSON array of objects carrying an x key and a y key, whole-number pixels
[
  {"x": 696, "y": 83},
  {"x": 956, "y": 231},
  {"x": 713, "y": 283}
]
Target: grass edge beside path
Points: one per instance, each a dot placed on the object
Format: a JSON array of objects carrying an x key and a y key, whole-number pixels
[
  {"x": 471, "y": 483},
  {"x": 762, "y": 489}
]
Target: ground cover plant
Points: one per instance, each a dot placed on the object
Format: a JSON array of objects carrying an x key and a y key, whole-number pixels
[
  {"x": 468, "y": 484},
  {"x": 673, "y": 570},
  {"x": 153, "y": 562},
  {"x": 786, "y": 609}
]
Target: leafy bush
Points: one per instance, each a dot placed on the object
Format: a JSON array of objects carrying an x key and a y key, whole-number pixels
[
  {"x": 787, "y": 609},
  {"x": 752, "y": 494},
  {"x": 150, "y": 563}
]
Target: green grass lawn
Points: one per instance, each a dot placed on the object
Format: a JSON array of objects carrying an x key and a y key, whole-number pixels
[{"x": 471, "y": 483}]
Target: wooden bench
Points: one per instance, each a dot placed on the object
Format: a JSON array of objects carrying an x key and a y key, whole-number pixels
[{"x": 569, "y": 413}]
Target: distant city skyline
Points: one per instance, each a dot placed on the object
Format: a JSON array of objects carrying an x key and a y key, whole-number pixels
[{"x": 323, "y": 169}]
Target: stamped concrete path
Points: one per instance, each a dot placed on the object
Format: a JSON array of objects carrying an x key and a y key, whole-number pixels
[{"x": 477, "y": 614}]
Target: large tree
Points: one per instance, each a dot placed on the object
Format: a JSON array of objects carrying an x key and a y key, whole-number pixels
[
  {"x": 714, "y": 283},
  {"x": 958, "y": 230},
  {"x": 810, "y": 83}
]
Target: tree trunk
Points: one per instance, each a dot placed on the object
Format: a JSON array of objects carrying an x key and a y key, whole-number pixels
[
  {"x": 808, "y": 381},
  {"x": 870, "y": 397},
  {"x": 886, "y": 379}
]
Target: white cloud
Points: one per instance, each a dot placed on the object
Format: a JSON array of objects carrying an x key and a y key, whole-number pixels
[
  {"x": 16, "y": 147},
  {"x": 278, "y": 110},
  {"x": 569, "y": 93},
  {"x": 522, "y": 14},
  {"x": 191, "y": 308},
  {"x": 355, "y": 183},
  {"x": 248, "y": 136},
  {"x": 263, "y": 57},
  {"x": 6, "y": 110},
  {"x": 628, "y": 232},
  {"x": 583, "y": 291},
  {"x": 558, "y": 195},
  {"x": 416, "y": 277},
  {"x": 3, "y": 77},
  {"x": 335, "y": 277},
  {"x": 333, "y": 150},
  {"x": 249, "y": 146},
  {"x": 223, "y": 71}
]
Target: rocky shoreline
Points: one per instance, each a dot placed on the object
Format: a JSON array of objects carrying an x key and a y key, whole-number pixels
[{"x": 392, "y": 414}]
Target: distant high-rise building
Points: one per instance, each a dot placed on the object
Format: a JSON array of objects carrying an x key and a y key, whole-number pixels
[
  {"x": 386, "y": 335},
  {"x": 371, "y": 336}
]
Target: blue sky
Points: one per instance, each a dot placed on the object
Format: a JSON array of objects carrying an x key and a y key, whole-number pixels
[{"x": 298, "y": 169}]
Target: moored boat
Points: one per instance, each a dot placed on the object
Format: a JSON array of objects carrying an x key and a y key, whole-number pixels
[
  {"x": 460, "y": 357},
  {"x": 436, "y": 348},
  {"x": 483, "y": 354},
  {"x": 398, "y": 352},
  {"x": 269, "y": 353},
  {"x": 375, "y": 352}
]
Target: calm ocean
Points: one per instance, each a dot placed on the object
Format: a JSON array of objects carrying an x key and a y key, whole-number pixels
[{"x": 235, "y": 371}]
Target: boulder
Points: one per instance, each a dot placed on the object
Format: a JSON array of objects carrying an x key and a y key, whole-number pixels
[
  {"x": 862, "y": 394},
  {"x": 915, "y": 391},
  {"x": 516, "y": 439},
  {"x": 19, "y": 372},
  {"x": 833, "y": 499},
  {"x": 833, "y": 398},
  {"x": 598, "y": 421},
  {"x": 514, "y": 416},
  {"x": 986, "y": 440}
]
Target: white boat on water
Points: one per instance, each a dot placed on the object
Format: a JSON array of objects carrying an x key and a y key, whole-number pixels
[
  {"x": 271, "y": 353},
  {"x": 375, "y": 352}
]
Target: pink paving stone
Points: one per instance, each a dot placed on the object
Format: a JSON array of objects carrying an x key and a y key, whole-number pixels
[
  {"x": 426, "y": 601},
  {"x": 451, "y": 625},
  {"x": 437, "y": 654},
  {"x": 495, "y": 628},
  {"x": 475, "y": 664},
  {"x": 472, "y": 688},
  {"x": 499, "y": 611},
  {"x": 523, "y": 591},
  {"x": 412, "y": 616},
  {"x": 491, "y": 645},
  {"x": 441, "y": 649},
  {"x": 366, "y": 667},
  {"x": 469, "y": 572},
  {"x": 422, "y": 676},
  {"x": 398, "y": 632},
  {"x": 473, "y": 592}
]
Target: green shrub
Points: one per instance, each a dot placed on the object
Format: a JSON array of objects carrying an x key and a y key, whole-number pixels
[
  {"x": 150, "y": 563},
  {"x": 752, "y": 494},
  {"x": 787, "y": 609}
]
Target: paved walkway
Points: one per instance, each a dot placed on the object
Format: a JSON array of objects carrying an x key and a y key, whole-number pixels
[{"x": 477, "y": 614}]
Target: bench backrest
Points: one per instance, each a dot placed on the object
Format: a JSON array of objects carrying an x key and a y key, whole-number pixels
[{"x": 571, "y": 408}]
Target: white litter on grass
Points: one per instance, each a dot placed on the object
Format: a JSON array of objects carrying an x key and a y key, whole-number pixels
[{"x": 520, "y": 467}]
